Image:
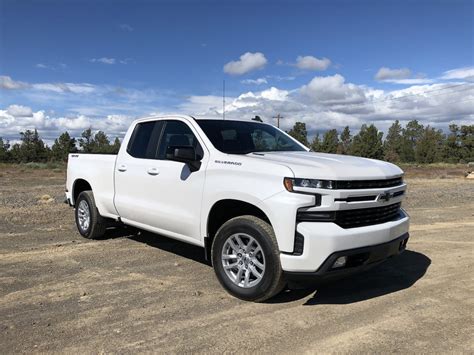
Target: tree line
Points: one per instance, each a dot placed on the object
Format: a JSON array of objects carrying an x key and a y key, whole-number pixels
[
  {"x": 31, "y": 147},
  {"x": 413, "y": 143}
]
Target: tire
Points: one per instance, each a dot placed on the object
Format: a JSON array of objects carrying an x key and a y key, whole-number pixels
[
  {"x": 89, "y": 222},
  {"x": 252, "y": 233}
]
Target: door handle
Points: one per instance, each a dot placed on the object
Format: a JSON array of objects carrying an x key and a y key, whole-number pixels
[
  {"x": 153, "y": 171},
  {"x": 122, "y": 168}
]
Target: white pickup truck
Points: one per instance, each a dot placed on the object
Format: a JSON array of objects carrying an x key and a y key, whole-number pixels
[{"x": 264, "y": 208}]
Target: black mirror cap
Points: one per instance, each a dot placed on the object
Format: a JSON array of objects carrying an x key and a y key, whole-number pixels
[{"x": 185, "y": 154}]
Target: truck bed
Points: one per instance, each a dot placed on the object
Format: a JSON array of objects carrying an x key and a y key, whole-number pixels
[{"x": 98, "y": 170}]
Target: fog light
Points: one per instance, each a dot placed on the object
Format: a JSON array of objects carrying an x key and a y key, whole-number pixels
[{"x": 340, "y": 262}]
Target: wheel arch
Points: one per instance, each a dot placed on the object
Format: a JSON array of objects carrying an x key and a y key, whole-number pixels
[
  {"x": 79, "y": 186},
  {"x": 224, "y": 210}
]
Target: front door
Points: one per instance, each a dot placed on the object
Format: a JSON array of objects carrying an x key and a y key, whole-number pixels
[{"x": 156, "y": 192}]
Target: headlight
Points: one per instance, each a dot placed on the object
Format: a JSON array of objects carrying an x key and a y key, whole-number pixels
[{"x": 294, "y": 184}]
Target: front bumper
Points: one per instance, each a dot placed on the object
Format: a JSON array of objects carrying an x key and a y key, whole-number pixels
[
  {"x": 321, "y": 240},
  {"x": 358, "y": 259}
]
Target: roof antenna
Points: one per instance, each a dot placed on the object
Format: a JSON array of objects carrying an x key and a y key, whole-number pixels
[{"x": 223, "y": 99}]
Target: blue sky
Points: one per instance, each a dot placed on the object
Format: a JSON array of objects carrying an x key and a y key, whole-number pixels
[{"x": 80, "y": 63}]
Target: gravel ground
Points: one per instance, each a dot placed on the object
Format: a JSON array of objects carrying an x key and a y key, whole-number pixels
[{"x": 136, "y": 292}]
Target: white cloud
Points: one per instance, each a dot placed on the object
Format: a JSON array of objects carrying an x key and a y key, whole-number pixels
[
  {"x": 312, "y": 63},
  {"x": 19, "y": 111},
  {"x": 8, "y": 83},
  {"x": 281, "y": 78},
  {"x": 247, "y": 63},
  {"x": 385, "y": 73},
  {"x": 103, "y": 60},
  {"x": 65, "y": 87},
  {"x": 329, "y": 90},
  {"x": 258, "y": 81},
  {"x": 323, "y": 102},
  {"x": 331, "y": 102},
  {"x": 466, "y": 73},
  {"x": 413, "y": 81},
  {"x": 51, "y": 67},
  {"x": 126, "y": 27}
]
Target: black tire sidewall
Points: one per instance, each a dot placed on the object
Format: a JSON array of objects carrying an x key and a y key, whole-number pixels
[
  {"x": 83, "y": 196},
  {"x": 272, "y": 265}
]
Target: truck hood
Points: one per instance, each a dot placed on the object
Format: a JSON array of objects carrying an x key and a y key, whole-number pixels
[{"x": 331, "y": 166}]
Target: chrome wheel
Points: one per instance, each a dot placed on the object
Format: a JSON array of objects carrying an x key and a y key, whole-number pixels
[
  {"x": 84, "y": 215},
  {"x": 243, "y": 260}
]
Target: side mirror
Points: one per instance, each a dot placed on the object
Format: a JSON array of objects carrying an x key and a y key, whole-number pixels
[{"x": 185, "y": 154}]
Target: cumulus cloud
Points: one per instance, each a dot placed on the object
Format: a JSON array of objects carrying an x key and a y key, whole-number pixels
[
  {"x": 19, "y": 111},
  {"x": 329, "y": 90},
  {"x": 324, "y": 102},
  {"x": 401, "y": 76},
  {"x": 466, "y": 73},
  {"x": 103, "y": 60},
  {"x": 312, "y": 63},
  {"x": 248, "y": 62},
  {"x": 8, "y": 83},
  {"x": 258, "y": 81},
  {"x": 385, "y": 73},
  {"x": 330, "y": 102}
]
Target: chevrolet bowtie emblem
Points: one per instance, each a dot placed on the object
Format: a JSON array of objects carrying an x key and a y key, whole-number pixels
[{"x": 386, "y": 196}]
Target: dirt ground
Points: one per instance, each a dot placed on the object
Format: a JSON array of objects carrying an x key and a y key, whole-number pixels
[{"x": 135, "y": 292}]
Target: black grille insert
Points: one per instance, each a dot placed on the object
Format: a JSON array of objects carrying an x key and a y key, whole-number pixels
[
  {"x": 367, "y": 184},
  {"x": 352, "y": 218},
  {"x": 367, "y": 216}
]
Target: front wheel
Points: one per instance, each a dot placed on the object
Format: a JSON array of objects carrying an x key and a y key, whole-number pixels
[
  {"x": 89, "y": 222},
  {"x": 246, "y": 259}
]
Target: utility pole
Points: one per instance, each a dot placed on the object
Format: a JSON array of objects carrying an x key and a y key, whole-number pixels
[
  {"x": 223, "y": 99},
  {"x": 278, "y": 119}
]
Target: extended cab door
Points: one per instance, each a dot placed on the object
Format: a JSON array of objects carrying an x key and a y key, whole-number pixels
[{"x": 154, "y": 192}]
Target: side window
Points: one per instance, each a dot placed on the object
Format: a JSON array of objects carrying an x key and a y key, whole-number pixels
[
  {"x": 177, "y": 134},
  {"x": 144, "y": 140}
]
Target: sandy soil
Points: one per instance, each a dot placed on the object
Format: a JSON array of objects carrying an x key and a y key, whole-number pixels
[{"x": 136, "y": 292}]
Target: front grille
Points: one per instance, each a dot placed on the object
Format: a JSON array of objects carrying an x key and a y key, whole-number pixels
[
  {"x": 367, "y": 184},
  {"x": 367, "y": 216}
]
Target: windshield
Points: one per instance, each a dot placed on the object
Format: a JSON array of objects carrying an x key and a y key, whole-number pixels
[{"x": 240, "y": 137}]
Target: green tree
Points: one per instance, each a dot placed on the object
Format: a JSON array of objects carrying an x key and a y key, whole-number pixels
[
  {"x": 4, "y": 153},
  {"x": 63, "y": 145},
  {"x": 316, "y": 143},
  {"x": 300, "y": 133},
  {"x": 32, "y": 147},
  {"x": 115, "y": 147},
  {"x": 467, "y": 142},
  {"x": 411, "y": 134},
  {"x": 368, "y": 142},
  {"x": 101, "y": 143},
  {"x": 393, "y": 143},
  {"x": 330, "y": 141},
  {"x": 345, "y": 141},
  {"x": 429, "y": 148},
  {"x": 86, "y": 142}
]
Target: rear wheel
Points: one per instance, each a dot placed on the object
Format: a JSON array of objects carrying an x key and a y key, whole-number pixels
[
  {"x": 246, "y": 259},
  {"x": 89, "y": 222}
]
